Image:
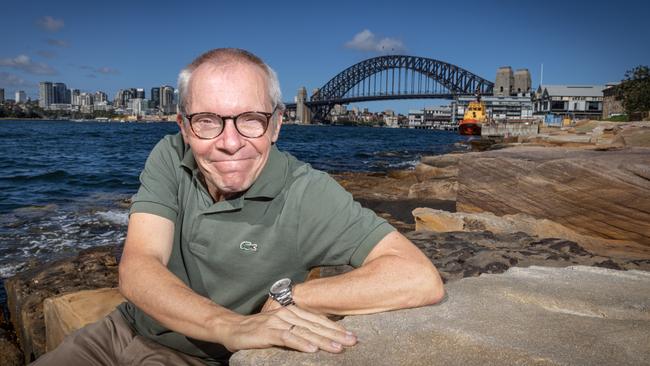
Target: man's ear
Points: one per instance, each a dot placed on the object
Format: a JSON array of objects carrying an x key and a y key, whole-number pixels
[
  {"x": 276, "y": 130},
  {"x": 180, "y": 121}
]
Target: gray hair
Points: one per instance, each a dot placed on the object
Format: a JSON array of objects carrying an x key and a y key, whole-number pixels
[{"x": 221, "y": 56}]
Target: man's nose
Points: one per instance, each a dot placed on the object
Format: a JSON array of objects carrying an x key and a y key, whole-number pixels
[{"x": 231, "y": 140}]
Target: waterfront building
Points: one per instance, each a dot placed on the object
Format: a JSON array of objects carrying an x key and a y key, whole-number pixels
[
  {"x": 100, "y": 97},
  {"x": 2, "y": 95},
  {"x": 123, "y": 97},
  {"x": 102, "y": 106},
  {"x": 167, "y": 105},
  {"x": 21, "y": 97},
  {"x": 499, "y": 108},
  {"x": 61, "y": 95},
  {"x": 45, "y": 94},
  {"x": 553, "y": 102},
  {"x": 612, "y": 101},
  {"x": 154, "y": 102},
  {"x": 139, "y": 93},
  {"x": 391, "y": 120},
  {"x": 60, "y": 107},
  {"x": 74, "y": 97},
  {"x": 139, "y": 107},
  {"x": 416, "y": 117}
]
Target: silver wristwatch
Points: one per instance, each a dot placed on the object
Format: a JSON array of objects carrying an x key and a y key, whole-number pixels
[{"x": 281, "y": 292}]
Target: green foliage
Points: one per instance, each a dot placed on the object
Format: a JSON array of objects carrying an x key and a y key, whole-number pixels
[
  {"x": 635, "y": 91},
  {"x": 619, "y": 118}
]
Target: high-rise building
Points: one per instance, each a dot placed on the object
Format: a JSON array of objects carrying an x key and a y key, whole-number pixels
[
  {"x": 74, "y": 100},
  {"x": 155, "y": 98},
  {"x": 167, "y": 105},
  {"x": 123, "y": 97},
  {"x": 100, "y": 97},
  {"x": 60, "y": 91},
  {"x": 21, "y": 97},
  {"x": 139, "y": 93},
  {"x": 45, "y": 94},
  {"x": 2, "y": 95}
]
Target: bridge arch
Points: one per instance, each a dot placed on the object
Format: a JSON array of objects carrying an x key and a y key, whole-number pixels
[{"x": 429, "y": 78}]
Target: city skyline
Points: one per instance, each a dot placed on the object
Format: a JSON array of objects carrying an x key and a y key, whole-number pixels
[{"x": 145, "y": 44}]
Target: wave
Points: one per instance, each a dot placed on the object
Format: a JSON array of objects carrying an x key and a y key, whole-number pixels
[
  {"x": 47, "y": 176},
  {"x": 114, "y": 217}
]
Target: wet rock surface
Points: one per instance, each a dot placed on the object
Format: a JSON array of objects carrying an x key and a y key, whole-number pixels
[
  {"x": 468, "y": 254},
  {"x": 91, "y": 269},
  {"x": 462, "y": 254},
  {"x": 533, "y": 316}
]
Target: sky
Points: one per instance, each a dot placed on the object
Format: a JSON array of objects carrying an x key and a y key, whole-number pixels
[{"x": 111, "y": 45}]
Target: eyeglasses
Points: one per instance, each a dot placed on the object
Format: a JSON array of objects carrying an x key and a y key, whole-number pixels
[{"x": 207, "y": 125}]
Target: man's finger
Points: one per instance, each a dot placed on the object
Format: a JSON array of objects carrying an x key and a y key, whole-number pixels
[
  {"x": 321, "y": 341},
  {"x": 319, "y": 326},
  {"x": 287, "y": 338},
  {"x": 318, "y": 321}
]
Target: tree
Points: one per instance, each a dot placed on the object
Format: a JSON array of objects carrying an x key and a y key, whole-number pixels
[{"x": 635, "y": 91}]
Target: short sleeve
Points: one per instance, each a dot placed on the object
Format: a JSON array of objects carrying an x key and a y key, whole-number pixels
[
  {"x": 159, "y": 183},
  {"x": 333, "y": 229}
]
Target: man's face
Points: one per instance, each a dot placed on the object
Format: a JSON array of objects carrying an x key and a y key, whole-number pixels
[{"x": 230, "y": 162}]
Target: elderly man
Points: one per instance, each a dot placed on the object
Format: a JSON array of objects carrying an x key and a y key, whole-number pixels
[{"x": 224, "y": 230}]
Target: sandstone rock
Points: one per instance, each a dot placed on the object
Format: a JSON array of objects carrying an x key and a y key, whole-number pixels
[
  {"x": 91, "y": 269},
  {"x": 595, "y": 193},
  {"x": 424, "y": 172},
  {"x": 67, "y": 313},
  {"x": 537, "y": 316},
  {"x": 10, "y": 354},
  {"x": 442, "y": 189},
  {"x": 443, "y": 221},
  {"x": 442, "y": 161}
]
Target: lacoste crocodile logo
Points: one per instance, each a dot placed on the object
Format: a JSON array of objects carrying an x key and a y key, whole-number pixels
[{"x": 247, "y": 246}]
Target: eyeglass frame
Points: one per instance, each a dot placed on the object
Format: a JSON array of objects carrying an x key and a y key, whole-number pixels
[{"x": 234, "y": 122}]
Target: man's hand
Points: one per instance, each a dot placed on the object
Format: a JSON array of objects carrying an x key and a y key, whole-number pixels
[{"x": 290, "y": 327}]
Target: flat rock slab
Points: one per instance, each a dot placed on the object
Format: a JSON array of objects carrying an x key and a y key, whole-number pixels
[
  {"x": 534, "y": 316},
  {"x": 596, "y": 193}
]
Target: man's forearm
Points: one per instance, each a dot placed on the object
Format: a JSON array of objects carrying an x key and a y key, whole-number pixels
[
  {"x": 149, "y": 285},
  {"x": 386, "y": 283}
]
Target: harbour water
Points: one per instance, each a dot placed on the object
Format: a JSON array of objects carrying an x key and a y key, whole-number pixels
[{"x": 64, "y": 186}]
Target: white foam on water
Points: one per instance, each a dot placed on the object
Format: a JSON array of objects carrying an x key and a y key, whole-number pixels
[
  {"x": 405, "y": 164},
  {"x": 115, "y": 217},
  {"x": 10, "y": 269}
]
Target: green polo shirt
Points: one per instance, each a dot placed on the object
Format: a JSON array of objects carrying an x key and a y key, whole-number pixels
[{"x": 293, "y": 218}]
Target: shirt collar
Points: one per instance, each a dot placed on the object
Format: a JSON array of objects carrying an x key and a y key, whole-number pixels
[{"x": 267, "y": 185}]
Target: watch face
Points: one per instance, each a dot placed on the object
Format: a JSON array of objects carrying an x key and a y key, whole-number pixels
[{"x": 280, "y": 286}]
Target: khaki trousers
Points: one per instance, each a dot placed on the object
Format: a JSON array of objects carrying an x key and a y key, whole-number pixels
[{"x": 110, "y": 341}]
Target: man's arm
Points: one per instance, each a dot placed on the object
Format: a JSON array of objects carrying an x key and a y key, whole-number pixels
[
  {"x": 394, "y": 275},
  {"x": 145, "y": 280}
]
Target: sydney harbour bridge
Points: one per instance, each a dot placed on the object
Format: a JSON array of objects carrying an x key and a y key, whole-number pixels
[{"x": 391, "y": 78}]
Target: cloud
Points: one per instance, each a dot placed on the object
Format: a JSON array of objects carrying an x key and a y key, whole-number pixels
[
  {"x": 367, "y": 41},
  {"x": 50, "y": 24},
  {"x": 24, "y": 63},
  {"x": 107, "y": 70},
  {"x": 46, "y": 54},
  {"x": 57, "y": 42},
  {"x": 8, "y": 79}
]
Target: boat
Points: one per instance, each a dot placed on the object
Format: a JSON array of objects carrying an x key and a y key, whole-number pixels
[{"x": 475, "y": 115}]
